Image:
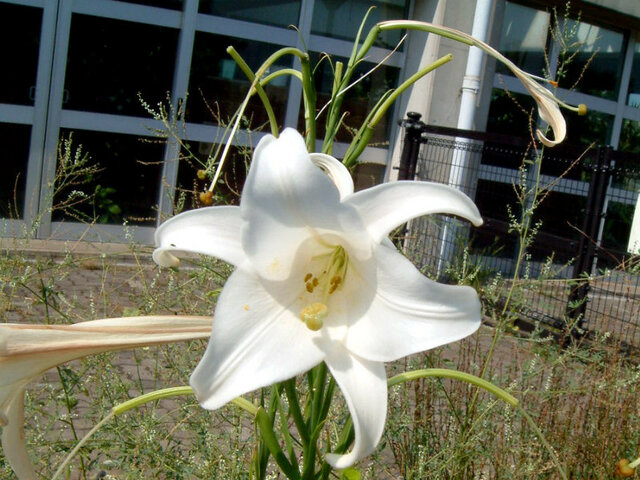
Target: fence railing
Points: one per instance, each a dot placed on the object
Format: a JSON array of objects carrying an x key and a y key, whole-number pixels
[{"x": 577, "y": 270}]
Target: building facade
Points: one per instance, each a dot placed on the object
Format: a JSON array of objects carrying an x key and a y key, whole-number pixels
[{"x": 80, "y": 67}]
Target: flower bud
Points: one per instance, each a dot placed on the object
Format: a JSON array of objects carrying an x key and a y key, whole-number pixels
[
  {"x": 206, "y": 198},
  {"x": 623, "y": 470}
]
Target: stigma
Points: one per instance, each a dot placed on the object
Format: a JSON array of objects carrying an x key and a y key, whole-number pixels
[{"x": 313, "y": 315}]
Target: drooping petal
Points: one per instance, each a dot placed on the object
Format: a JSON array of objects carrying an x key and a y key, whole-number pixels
[
  {"x": 27, "y": 351},
  {"x": 14, "y": 448},
  {"x": 211, "y": 231},
  {"x": 386, "y": 206},
  {"x": 411, "y": 313},
  {"x": 336, "y": 171},
  {"x": 286, "y": 200},
  {"x": 364, "y": 386},
  {"x": 257, "y": 340},
  {"x": 547, "y": 108}
]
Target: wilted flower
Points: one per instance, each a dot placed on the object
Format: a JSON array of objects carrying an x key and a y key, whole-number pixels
[{"x": 27, "y": 351}]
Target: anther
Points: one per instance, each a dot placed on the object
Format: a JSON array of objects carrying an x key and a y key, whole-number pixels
[
  {"x": 309, "y": 286},
  {"x": 307, "y": 277},
  {"x": 315, "y": 282}
]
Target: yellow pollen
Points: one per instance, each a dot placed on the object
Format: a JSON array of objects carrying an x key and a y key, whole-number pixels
[
  {"x": 307, "y": 277},
  {"x": 313, "y": 314},
  {"x": 309, "y": 286},
  {"x": 315, "y": 282}
]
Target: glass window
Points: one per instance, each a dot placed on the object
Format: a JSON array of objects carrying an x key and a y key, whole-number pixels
[
  {"x": 358, "y": 101},
  {"x": 106, "y": 69},
  {"x": 281, "y": 13},
  {"x": 510, "y": 113},
  {"x": 594, "y": 60},
  {"x": 633, "y": 99},
  {"x": 594, "y": 127},
  {"x": 19, "y": 44},
  {"x": 524, "y": 38},
  {"x": 340, "y": 19},
  {"x": 630, "y": 137},
  {"x": 127, "y": 186},
  {"x": 171, "y": 4},
  {"x": 217, "y": 86},
  {"x": 15, "y": 155}
]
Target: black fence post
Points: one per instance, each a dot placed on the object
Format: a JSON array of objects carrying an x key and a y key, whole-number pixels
[
  {"x": 587, "y": 247},
  {"x": 413, "y": 128}
]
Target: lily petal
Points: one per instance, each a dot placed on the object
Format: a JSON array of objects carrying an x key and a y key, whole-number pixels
[
  {"x": 364, "y": 386},
  {"x": 284, "y": 194},
  {"x": 192, "y": 232},
  {"x": 27, "y": 351},
  {"x": 386, "y": 206},
  {"x": 13, "y": 445},
  {"x": 548, "y": 109},
  {"x": 258, "y": 342},
  {"x": 411, "y": 313},
  {"x": 336, "y": 171}
]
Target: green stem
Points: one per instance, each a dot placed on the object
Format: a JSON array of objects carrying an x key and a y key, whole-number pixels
[
  {"x": 544, "y": 441},
  {"x": 333, "y": 117},
  {"x": 360, "y": 142},
  {"x": 265, "y": 423},
  {"x": 309, "y": 98},
  {"x": 294, "y": 408},
  {"x": 258, "y": 88},
  {"x": 455, "y": 375}
]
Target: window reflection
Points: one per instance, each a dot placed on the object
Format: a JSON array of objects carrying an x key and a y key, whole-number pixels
[
  {"x": 524, "y": 38},
  {"x": 279, "y": 12},
  {"x": 19, "y": 44},
  {"x": 340, "y": 19},
  {"x": 15, "y": 154},
  {"x": 127, "y": 186},
  {"x": 217, "y": 86},
  {"x": 594, "y": 127},
  {"x": 633, "y": 98},
  {"x": 594, "y": 56},
  {"x": 106, "y": 69}
]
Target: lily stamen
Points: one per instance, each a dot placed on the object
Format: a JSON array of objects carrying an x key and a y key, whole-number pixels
[{"x": 330, "y": 280}]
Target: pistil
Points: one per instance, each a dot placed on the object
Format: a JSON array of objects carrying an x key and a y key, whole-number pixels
[{"x": 322, "y": 286}]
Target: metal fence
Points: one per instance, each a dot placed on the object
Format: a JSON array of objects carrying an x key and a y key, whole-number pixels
[{"x": 582, "y": 224}]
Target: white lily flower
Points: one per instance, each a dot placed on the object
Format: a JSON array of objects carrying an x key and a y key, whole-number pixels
[
  {"x": 318, "y": 280},
  {"x": 27, "y": 351}
]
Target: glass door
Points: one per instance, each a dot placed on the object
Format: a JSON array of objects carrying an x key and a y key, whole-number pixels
[
  {"x": 109, "y": 58},
  {"x": 26, "y": 49}
]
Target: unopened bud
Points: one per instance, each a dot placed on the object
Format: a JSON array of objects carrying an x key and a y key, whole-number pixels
[
  {"x": 202, "y": 174},
  {"x": 206, "y": 198},
  {"x": 623, "y": 470}
]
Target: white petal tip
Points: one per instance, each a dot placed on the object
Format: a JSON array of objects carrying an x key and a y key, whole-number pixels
[
  {"x": 339, "y": 461},
  {"x": 164, "y": 258},
  {"x": 545, "y": 141}
]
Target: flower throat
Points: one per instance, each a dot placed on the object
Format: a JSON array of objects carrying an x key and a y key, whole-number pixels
[{"x": 324, "y": 284}]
